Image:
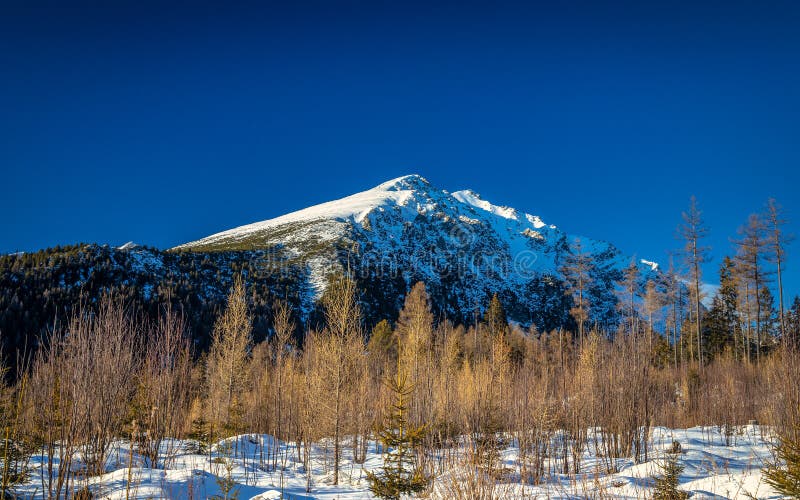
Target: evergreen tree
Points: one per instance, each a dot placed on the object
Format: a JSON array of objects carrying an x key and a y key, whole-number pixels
[
  {"x": 769, "y": 320},
  {"x": 401, "y": 475},
  {"x": 783, "y": 473},
  {"x": 382, "y": 341},
  {"x": 495, "y": 317},
  {"x": 793, "y": 324},
  {"x": 716, "y": 330},
  {"x": 551, "y": 304},
  {"x": 666, "y": 484},
  {"x": 719, "y": 325}
]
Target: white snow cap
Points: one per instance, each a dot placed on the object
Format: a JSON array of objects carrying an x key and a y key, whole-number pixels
[{"x": 406, "y": 182}]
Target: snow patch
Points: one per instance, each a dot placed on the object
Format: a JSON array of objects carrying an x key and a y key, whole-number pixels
[
  {"x": 652, "y": 265},
  {"x": 472, "y": 198},
  {"x": 536, "y": 221}
]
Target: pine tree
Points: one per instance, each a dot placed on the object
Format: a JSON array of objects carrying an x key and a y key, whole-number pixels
[
  {"x": 495, "y": 317},
  {"x": 228, "y": 487},
  {"x": 769, "y": 316},
  {"x": 382, "y": 341},
  {"x": 401, "y": 475},
  {"x": 783, "y": 473},
  {"x": 715, "y": 329},
  {"x": 666, "y": 484},
  {"x": 793, "y": 324},
  {"x": 719, "y": 324}
]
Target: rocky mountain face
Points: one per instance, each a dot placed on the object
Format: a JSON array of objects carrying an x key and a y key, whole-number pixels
[{"x": 463, "y": 247}]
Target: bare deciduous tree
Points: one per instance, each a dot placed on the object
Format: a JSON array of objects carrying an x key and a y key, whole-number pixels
[
  {"x": 164, "y": 385},
  {"x": 778, "y": 239},
  {"x": 231, "y": 344},
  {"x": 693, "y": 231},
  {"x": 752, "y": 247},
  {"x": 577, "y": 270},
  {"x": 339, "y": 347}
]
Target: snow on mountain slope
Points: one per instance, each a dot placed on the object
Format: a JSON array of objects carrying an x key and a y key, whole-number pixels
[
  {"x": 408, "y": 196},
  {"x": 474, "y": 199},
  {"x": 355, "y": 207},
  {"x": 462, "y": 246}
]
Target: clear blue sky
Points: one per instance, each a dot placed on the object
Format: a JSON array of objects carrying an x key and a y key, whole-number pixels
[{"x": 133, "y": 121}]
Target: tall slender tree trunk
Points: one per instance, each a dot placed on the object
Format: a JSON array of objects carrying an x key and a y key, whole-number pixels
[
  {"x": 697, "y": 305},
  {"x": 749, "y": 325},
  {"x": 336, "y": 428},
  {"x": 758, "y": 315},
  {"x": 679, "y": 323},
  {"x": 780, "y": 300}
]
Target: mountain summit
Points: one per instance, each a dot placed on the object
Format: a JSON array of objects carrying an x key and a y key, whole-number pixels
[{"x": 463, "y": 247}]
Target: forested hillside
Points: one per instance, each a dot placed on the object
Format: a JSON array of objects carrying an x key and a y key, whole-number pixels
[{"x": 41, "y": 289}]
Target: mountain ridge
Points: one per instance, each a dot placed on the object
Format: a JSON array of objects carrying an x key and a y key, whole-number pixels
[{"x": 456, "y": 242}]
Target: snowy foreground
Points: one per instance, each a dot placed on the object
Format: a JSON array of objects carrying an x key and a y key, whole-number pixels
[{"x": 712, "y": 470}]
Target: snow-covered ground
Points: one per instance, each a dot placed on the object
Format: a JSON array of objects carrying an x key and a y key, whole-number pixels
[{"x": 712, "y": 470}]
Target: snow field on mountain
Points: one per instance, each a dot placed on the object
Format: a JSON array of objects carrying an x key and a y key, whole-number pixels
[
  {"x": 264, "y": 468},
  {"x": 405, "y": 198}
]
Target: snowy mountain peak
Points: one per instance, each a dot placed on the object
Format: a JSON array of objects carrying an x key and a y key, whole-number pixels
[
  {"x": 410, "y": 182},
  {"x": 385, "y": 212},
  {"x": 406, "y": 230}
]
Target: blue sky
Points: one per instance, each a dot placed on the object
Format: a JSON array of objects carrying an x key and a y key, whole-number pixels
[{"x": 135, "y": 121}]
